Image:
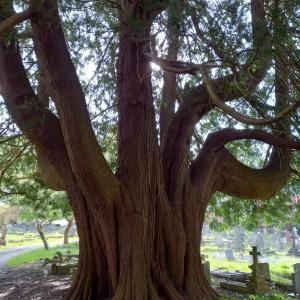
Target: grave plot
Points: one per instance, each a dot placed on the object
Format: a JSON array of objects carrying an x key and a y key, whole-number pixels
[
  {"x": 255, "y": 283},
  {"x": 61, "y": 264}
]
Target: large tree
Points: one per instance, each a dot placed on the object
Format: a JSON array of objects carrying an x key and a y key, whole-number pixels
[{"x": 139, "y": 226}]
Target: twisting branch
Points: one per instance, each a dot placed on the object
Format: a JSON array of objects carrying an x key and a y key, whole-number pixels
[
  {"x": 237, "y": 179},
  {"x": 15, "y": 20},
  {"x": 234, "y": 114},
  {"x": 220, "y": 138},
  {"x": 242, "y": 181}
]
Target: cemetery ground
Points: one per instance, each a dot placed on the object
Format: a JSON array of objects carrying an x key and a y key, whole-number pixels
[
  {"x": 26, "y": 278},
  {"x": 281, "y": 264},
  {"x": 25, "y": 275},
  {"x": 22, "y": 239}
]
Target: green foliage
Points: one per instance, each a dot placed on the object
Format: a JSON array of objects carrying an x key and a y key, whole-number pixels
[
  {"x": 91, "y": 29},
  {"x": 22, "y": 186}
]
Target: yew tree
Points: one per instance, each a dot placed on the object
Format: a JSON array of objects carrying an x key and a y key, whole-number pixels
[{"x": 140, "y": 225}]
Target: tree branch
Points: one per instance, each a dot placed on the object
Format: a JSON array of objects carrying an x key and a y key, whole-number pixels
[
  {"x": 66, "y": 89},
  {"x": 215, "y": 142},
  {"x": 14, "y": 20},
  {"x": 237, "y": 116},
  {"x": 220, "y": 138},
  {"x": 244, "y": 182},
  {"x": 167, "y": 107}
]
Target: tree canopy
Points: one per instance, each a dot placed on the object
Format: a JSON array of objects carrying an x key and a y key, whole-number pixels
[{"x": 142, "y": 111}]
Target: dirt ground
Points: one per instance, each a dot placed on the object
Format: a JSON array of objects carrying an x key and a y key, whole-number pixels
[{"x": 32, "y": 283}]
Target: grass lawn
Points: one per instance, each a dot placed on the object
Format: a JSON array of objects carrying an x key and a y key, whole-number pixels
[
  {"x": 32, "y": 238},
  {"x": 38, "y": 254}
]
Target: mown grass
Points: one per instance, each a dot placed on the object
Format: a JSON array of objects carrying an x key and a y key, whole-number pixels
[
  {"x": 29, "y": 238},
  {"x": 36, "y": 255}
]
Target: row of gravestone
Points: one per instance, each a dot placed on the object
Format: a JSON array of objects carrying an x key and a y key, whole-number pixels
[
  {"x": 257, "y": 282},
  {"x": 265, "y": 242}
]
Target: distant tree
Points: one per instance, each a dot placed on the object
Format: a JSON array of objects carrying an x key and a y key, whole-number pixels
[
  {"x": 8, "y": 215},
  {"x": 67, "y": 231}
]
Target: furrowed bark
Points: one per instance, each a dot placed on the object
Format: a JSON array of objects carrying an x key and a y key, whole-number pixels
[
  {"x": 64, "y": 84},
  {"x": 167, "y": 109},
  {"x": 245, "y": 182},
  {"x": 89, "y": 166},
  {"x": 138, "y": 159},
  {"x": 44, "y": 131}
]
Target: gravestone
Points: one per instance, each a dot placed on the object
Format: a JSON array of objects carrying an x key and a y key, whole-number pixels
[
  {"x": 296, "y": 279},
  {"x": 239, "y": 239},
  {"x": 256, "y": 284},
  {"x": 265, "y": 270},
  {"x": 56, "y": 269},
  {"x": 296, "y": 267},
  {"x": 296, "y": 282},
  {"x": 229, "y": 254},
  {"x": 206, "y": 269},
  {"x": 260, "y": 241}
]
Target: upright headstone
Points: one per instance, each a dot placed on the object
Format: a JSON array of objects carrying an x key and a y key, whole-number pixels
[
  {"x": 239, "y": 239},
  {"x": 296, "y": 282},
  {"x": 229, "y": 254},
  {"x": 206, "y": 269},
  {"x": 260, "y": 241},
  {"x": 265, "y": 270},
  {"x": 296, "y": 267}
]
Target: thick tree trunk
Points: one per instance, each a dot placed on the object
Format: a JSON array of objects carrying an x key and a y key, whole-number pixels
[
  {"x": 158, "y": 253},
  {"x": 67, "y": 231},
  {"x": 165, "y": 265},
  {"x": 39, "y": 228}
]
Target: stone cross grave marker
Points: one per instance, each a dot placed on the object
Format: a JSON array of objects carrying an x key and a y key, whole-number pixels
[{"x": 257, "y": 281}]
